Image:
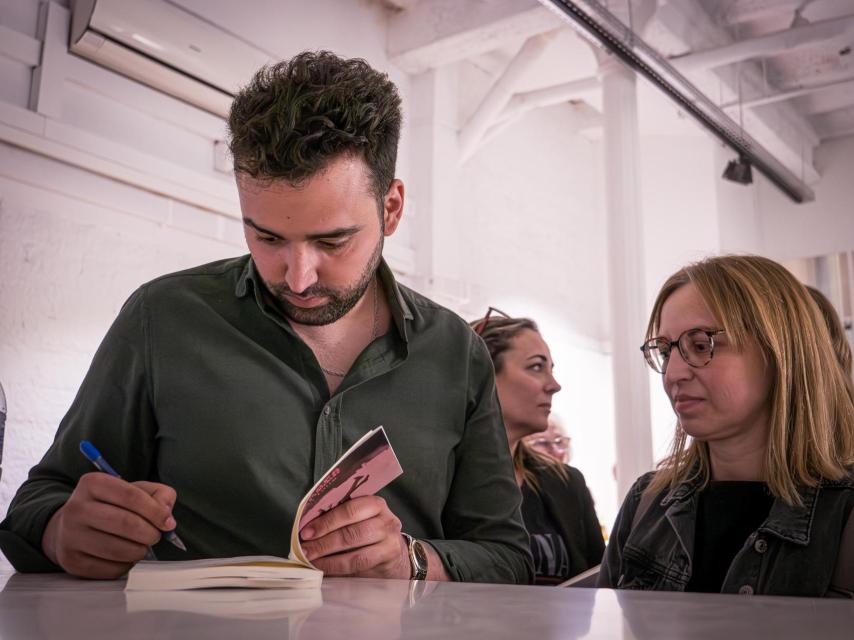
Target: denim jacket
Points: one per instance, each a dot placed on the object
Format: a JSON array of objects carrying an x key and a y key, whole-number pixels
[{"x": 793, "y": 552}]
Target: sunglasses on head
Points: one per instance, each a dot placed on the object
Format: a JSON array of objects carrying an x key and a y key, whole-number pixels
[{"x": 481, "y": 326}]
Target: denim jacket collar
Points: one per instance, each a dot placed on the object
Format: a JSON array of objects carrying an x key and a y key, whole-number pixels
[
  {"x": 791, "y": 522},
  {"x": 683, "y": 491}
]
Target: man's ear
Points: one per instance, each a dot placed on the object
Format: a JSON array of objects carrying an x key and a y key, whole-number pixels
[{"x": 393, "y": 206}]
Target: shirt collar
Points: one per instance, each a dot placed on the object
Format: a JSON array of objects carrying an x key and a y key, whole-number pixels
[
  {"x": 400, "y": 310},
  {"x": 250, "y": 279},
  {"x": 248, "y": 275}
]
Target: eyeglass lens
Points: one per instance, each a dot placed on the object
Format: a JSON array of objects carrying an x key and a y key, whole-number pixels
[
  {"x": 695, "y": 346},
  {"x": 550, "y": 443}
]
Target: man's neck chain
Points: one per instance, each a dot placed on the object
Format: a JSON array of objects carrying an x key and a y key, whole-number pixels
[{"x": 374, "y": 331}]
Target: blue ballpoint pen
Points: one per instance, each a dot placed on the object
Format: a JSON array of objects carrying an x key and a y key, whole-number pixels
[{"x": 94, "y": 456}]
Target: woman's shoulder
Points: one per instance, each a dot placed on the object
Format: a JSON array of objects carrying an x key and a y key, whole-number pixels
[
  {"x": 557, "y": 473},
  {"x": 640, "y": 485},
  {"x": 845, "y": 482},
  {"x": 563, "y": 478}
]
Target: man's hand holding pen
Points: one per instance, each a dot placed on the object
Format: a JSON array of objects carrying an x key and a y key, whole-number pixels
[{"x": 107, "y": 525}]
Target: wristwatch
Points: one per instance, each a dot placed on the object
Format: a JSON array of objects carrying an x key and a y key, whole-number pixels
[{"x": 417, "y": 557}]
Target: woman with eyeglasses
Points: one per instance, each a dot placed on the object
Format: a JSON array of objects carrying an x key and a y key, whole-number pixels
[
  {"x": 556, "y": 505},
  {"x": 757, "y": 494},
  {"x": 552, "y": 442}
]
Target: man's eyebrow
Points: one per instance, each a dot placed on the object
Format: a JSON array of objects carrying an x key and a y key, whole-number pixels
[
  {"x": 341, "y": 232},
  {"x": 540, "y": 356},
  {"x": 249, "y": 222}
]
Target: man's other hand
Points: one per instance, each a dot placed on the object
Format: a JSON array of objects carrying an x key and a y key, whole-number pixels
[
  {"x": 360, "y": 537},
  {"x": 107, "y": 525}
]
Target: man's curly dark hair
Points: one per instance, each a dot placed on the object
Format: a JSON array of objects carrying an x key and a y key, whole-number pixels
[{"x": 296, "y": 116}]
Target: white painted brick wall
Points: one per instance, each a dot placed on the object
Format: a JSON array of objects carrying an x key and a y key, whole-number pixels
[{"x": 66, "y": 266}]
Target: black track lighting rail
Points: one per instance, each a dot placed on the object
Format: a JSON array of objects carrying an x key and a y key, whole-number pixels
[{"x": 594, "y": 21}]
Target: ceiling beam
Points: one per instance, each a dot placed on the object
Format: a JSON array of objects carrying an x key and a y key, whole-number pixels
[
  {"x": 521, "y": 103},
  {"x": 399, "y": 5},
  {"x": 437, "y": 32},
  {"x": 831, "y": 99},
  {"x": 835, "y": 123},
  {"x": 738, "y": 11},
  {"x": 786, "y": 134},
  {"x": 838, "y": 133},
  {"x": 581, "y": 117},
  {"x": 499, "y": 94},
  {"x": 781, "y": 96},
  {"x": 764, "y": 46}
]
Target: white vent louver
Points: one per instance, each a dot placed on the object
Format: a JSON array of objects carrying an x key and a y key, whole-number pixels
[{"x": 166, "y": 47}]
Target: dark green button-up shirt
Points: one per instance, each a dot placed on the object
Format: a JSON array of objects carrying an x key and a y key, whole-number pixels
[{"x": 202, "y": 385}]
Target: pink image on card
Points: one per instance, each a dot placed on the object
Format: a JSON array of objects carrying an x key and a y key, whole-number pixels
[{"x": 365, "y": 469}]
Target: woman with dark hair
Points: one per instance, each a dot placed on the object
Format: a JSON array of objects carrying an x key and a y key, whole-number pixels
[{"x": 556, "y": 505}]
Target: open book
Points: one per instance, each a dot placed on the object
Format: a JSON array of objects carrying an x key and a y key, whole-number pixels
[
  {"x": 247, "y": 604},
  {"x": 365, "y": 468}
]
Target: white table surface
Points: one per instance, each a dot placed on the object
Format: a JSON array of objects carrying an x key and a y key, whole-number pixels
[{"x": 56, "y": 606}]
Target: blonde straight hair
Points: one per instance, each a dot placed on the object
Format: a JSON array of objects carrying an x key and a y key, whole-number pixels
[{"x": 811, "y": 430}]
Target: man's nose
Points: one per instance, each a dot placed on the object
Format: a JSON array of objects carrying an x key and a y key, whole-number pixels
[{"x": 301, "y": 269}]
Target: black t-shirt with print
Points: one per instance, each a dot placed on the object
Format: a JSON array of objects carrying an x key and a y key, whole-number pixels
[{"x": 551, "y": 559}]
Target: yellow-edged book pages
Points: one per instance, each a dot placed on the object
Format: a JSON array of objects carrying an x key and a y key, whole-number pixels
[
  {"x": 258, "y": 572},
  {"x": 247, "y": 604}
]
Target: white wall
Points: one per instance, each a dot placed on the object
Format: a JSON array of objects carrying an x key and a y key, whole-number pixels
[
  {"x": 815, "y": 228},
  {"x": 679, "y": 209},
  {"x": 67, "y": 263},
  {"x": 529, "y": 205}
]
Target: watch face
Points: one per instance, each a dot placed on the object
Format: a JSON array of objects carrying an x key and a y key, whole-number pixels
[
  {"x": 420, "y": 554},
  {"x": 419, "y": 557}
]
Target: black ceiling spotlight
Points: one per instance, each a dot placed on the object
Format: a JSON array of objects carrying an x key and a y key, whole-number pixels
[{"x": 739, "y": 171}]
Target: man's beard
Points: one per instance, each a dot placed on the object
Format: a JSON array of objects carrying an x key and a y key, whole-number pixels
[{"x": 341, "y": 301}]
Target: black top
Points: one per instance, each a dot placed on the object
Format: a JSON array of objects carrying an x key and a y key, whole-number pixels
[
  {"x": 727, "y": 513},
  {"x": 551, "y": 559},
  {"x": 562, "y": 508}
]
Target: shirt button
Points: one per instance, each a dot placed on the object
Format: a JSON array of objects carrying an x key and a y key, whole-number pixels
[
  {"x": 746, "y": 590},
  {"x": 326, "y": 410},
  {"x": 761, "y": 546}
]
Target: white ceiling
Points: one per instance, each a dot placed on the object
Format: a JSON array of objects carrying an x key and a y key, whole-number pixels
[
  {"x": 788, "y": 62},
  {"x": 781, "y": 69},
  {"x": 818, "y": 74}
]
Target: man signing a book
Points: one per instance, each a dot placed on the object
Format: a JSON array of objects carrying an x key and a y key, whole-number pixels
[{"x": 221, "y": 394}]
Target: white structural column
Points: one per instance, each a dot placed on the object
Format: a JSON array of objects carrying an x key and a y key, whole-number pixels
[
  {"x": 633, "y": 428},
  {"x": 432, "y": 205}
]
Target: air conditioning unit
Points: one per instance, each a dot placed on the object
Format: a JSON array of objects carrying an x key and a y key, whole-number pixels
[{"x": 166, "y": 47}]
